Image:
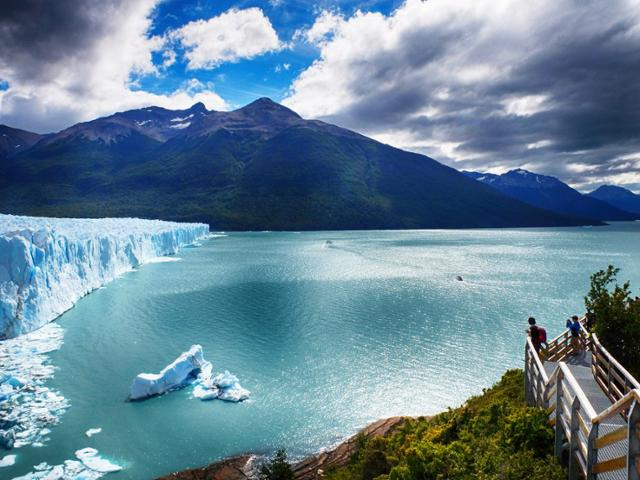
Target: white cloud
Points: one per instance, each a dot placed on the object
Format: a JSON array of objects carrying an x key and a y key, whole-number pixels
[
  {"x": 282, "y": 67},
  {"x": 539, "y": 144},
  {"x": 525, "y": 106},
  {"x": 481, "y": 84},
  {"x": 325, "y": 25},
  {"x": 98, "y": 79},
  {"x": 229, "y": 37}
]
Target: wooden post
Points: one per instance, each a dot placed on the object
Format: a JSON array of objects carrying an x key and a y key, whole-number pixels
[
  {"x": 559, "y": 429},
  {"x": 574, "y": 468},
  {"x": 634, "y": 442},
  {"x": 592, "y": 451}
]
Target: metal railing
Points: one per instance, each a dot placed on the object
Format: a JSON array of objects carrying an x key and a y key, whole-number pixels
[{"x": 577, "y": 424}]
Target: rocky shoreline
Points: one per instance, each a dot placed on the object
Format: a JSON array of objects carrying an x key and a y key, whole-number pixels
[{"x": 243, "y": 467}]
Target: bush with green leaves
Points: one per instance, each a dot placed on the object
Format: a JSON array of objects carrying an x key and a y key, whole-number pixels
[
  {"x": 278, "y": 468},
  {"x": 617, "y": 315},
  {"x": 493, "y": 436}
]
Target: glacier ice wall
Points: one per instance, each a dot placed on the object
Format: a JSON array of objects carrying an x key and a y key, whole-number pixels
[{"x": 47, "y": 264}]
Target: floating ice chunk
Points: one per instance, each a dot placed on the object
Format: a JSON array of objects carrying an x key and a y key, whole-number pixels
[
  {"x": 175, "y": 375},
  {"x": 92, "y": 431},
  {"x": 69, "y": 470},
  {"x": 7, "y": 460},
  {"x": 230, "y": 388},
  {"x": 205, "y": 393},
  {"x": 163, "y": 260},
  {"x": 224, "y": 386},
  {"x": 90, "y": 459},
  {"x": 32, "y": 407}
]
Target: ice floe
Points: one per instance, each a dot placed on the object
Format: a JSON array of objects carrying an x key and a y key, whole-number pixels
[
  {"x": 89, "y": 467},
  {"x": 224, "y": 386},
  {"x": 90, "y": 459},
  {"x": 27, "y": 407},
  {"x": 190, "y": 368},
  {"x": 47, "y": 264},
  {"x": 92, "y": 431},
  {"x": 7, "y": 460}
]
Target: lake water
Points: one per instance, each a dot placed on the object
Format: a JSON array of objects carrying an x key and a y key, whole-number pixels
[{"x": 326, "y": 337}]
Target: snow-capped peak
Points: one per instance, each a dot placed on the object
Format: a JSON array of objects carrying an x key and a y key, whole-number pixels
[{"x": 182, "y": 119}]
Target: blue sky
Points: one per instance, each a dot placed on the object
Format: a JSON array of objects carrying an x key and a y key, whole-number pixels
[
  {"x": 551, "y": 86},
  {"x": 267, "y": 75}
]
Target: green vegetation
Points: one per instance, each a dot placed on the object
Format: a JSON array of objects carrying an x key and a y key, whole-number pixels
[
  {"x": 493, "y": 436},
  {"x": 307, "y": 177},
  {"x": 278, "y": 468},
  {"x": 617, "y": 315}
]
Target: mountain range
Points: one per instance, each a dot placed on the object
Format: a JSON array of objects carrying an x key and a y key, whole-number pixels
[
  {"x": 551, "y": 194},
  {"x": 261, "y": 167},
  {"x": 618, "y": 197}
]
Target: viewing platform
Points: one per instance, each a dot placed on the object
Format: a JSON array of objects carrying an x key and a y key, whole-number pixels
[{"x": 593, "y": 403}]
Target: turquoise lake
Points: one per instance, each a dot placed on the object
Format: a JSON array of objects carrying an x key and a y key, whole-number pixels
[{"x": 327, "y": 337}]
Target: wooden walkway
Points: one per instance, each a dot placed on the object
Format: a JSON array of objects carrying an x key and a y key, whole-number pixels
[{"x": 593, "y": 404}]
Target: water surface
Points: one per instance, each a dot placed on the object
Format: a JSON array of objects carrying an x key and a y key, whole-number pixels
[{"x": 326, "y": 337}]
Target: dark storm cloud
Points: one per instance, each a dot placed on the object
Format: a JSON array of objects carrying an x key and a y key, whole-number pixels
[
  {"x": 579, "y": 60},
  {"x": 37, "y": 37}
]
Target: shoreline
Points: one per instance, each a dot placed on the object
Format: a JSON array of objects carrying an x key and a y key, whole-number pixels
[{"x": 246, "y": 467}]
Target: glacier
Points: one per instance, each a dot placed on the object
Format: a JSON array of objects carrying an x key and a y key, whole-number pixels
[{"x": 47, "y": 264}]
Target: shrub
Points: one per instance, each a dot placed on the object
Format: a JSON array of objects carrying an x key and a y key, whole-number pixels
[
  {"x": 278, "y": 468},
  {"x": 617, "y": 316},
  {"x": 493, "y": 436}
]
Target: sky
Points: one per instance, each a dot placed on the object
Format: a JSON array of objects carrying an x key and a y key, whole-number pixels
[{"x": 552, "y": 86}]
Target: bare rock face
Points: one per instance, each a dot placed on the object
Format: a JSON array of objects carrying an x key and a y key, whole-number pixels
[
  {"x": 245, "y": 467},
  {"x": 313, "y": 467},
  {"x": 234, "y": 468}
]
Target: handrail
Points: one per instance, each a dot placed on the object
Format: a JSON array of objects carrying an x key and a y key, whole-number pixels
[
  {"x": 557, "y": 337},
  {"x": 537, "y": 360},
  {"x": 616, "y": 407},
  {"x": 612, "y": 360},
  {"x": 585, "y": 404},
  {"x": 575, "y": 418}
]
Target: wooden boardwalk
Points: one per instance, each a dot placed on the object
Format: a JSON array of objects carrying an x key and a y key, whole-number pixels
[{"x": 593, "y": 404}]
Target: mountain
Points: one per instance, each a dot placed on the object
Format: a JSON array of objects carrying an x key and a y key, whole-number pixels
[
  {"x": 14, "y": 140},
  {"x": 551, "y": 194},
  {"x": 261, "y": 167},
  {"x": 618, "y": 197}
]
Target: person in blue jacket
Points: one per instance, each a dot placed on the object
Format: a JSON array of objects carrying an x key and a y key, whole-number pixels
[{"x": 573, "y": 324}]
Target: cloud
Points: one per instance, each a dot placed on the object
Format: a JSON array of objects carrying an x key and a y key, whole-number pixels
[
  {"x": 229, "y": 37},
  {"x": 73, "y": 60},
  {"x": 486, "y": 84}
]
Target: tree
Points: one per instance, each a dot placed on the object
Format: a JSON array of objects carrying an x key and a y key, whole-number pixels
[
  {"x": 278, "y": 468},
  {"x": 617, "y": 316}
]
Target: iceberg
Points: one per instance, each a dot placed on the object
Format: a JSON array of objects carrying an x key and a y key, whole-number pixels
[
  {"x": 225, "y": 386},
  {"x": 47, "y": 264},
  {"x": 190, "y": 368},
  {"x": 7, "y": 460},
  {"x": 175, "y": 375}
]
